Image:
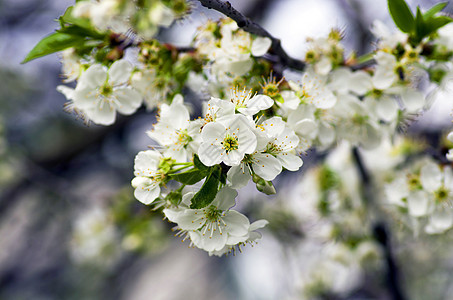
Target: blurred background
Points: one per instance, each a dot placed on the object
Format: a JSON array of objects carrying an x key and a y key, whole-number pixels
[{"x": 71, "y": 229}]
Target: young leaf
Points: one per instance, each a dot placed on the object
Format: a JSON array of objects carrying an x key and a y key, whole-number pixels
[
  {"x": 420, "y": 27},
  {"x": 81, "y": 31},
  {"x": 189, "y": 177},
  {"x": 68, "y": 18},
  {"x": 434, "y": 10},
  {"x": 208, "y": 191},
  {"x": 401, "y": 15},
  {"x": 198, "y": 164},
  {"x": 433, "y": 24},
  {"x": 53, "y": 43}
]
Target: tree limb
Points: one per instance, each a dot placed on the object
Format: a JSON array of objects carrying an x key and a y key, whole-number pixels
[
  {"x": 380, "y": 229},
  {"x": 248, "y": 25}
]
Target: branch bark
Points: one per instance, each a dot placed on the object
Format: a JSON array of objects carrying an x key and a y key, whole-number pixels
[
  {"x": 381, "y": 233},
  {"x": 248, "y": 25}
]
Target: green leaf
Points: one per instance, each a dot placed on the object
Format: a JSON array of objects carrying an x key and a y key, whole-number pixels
[
  {"x": 189, "y": 177},
  {"x": 67, "y": 17},
  {"x": 198, "y": 164},
  {"x": 434, "y": 10},
  {"x": 420, "y": 26},
  {"x": 208, "y": 191},
  {"x": 53, "y": 43},
  {"x": 81, "y": 31},
  {"x": 401, "y": 15},
  {"x": 433, "y": 24}
]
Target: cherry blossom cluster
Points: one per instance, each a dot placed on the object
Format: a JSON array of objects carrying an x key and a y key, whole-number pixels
[
  {"x": 232, "y": 143},
  {"x": 255, "y": 122}
]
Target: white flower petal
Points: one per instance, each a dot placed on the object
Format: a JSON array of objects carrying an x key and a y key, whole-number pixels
[
  {"x": 210, "y": 154},
  {"x": 386, "y": 109},
  {"x": 306, "y": 127},
  {"x": 431, "y": 177},
  {"x": 66, "y": 91},
  {"x": 94, "y": 76},
  {"x": 266, "y": 166},
  {"x": 104, "y": 115},
  {"x": 442, "y": 218},
  {"x": 237, "y": 223},
  {"x": 233, "y": 158},
  {"x": 290, "y": 161},
  {"x": 325, "y": 100},
  {"x": 213, "y": 240},
  {"x": 120, "y": 72},
  {"x": 146, "y": 163},
  {"x": 225, "y": 198},
  {"x": 190, "y": 219},
  {"x": 260, "y": 46},
  {"x": 417, "y": 203},
  {"x": 291, "y": 101},
  {"x": 273, "y": 127},
  {"x": 147, "y": 194},
  {"x": 360, "y": 83},
  {"x": 383, "y": 78},
  {"x": 129, "y": 100},
  {"x": 238, "y": 176},
  {"x": 212, "y": 131},
  {"x": 413, "y": 100},
  {"x": 258, "y": 224}
]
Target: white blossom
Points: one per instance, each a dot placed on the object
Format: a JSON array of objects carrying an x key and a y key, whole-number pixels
[{"x": 100, "y": 93}]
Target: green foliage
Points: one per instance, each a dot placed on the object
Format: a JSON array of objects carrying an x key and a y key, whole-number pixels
[
  {"x": 53, "y": 43},
  {"x": 401, "y": 15},
  {"x": 198, "y": 164},
  {"x": 74, "y": 32},
  {"x": 426, "y": 24},
  {"x": 208, "y": 191},
  {"x": 420, "y": 26},
  {"x": 189, "y": 177},
  {"x": 435, "y": 9}
]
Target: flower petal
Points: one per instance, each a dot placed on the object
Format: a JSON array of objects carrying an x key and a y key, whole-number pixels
[
  {"x": 147, "y": 194},
  {"x": 431, "y": 177},
  {"x": 266, "y": 166},
  {"x": 417, "y": 203},
  {"x": 146, "y": 163},
  {"x": 236, "y": 223},
  {"x": 103, "y": 115},
  {"x": 190, "y": 219},
  {"x": 129, "y": 100},
  {"x": 238, "y": 176},
  {"x": 260, "y": 46},
  {"x": 120, "y": 72},
  {"x": 290, "y": 161}
]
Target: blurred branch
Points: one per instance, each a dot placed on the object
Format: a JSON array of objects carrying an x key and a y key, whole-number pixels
[
  {"x": 355, "y": 14},
  {"x": 380, "y": 230},
  {"x": 248, "y": 25}
]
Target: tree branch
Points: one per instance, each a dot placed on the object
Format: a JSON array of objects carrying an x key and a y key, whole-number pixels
[
  {"x": 248, "y": 25},
  {"x": 380, "y": 230}
]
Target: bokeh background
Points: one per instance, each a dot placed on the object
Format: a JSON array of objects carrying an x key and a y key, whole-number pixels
[{"x": 69, "y": 226}]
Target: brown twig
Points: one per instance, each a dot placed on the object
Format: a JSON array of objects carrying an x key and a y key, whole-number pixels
[{"x": 248, "y": 25}]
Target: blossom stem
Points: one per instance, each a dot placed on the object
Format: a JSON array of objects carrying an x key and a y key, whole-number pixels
[{"x": 179, "y": 169}]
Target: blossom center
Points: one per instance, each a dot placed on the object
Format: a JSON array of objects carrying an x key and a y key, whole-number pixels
[
  {"x": 230, "y": 143},
  {"x": 240, "y": 98},
  {"x": 413, "y": 182},
  {"x": 212, "y": 214},
  {"x": 183, "y": 138},
  {"x": 441, "y": 195},
  {"x": 273, "y": 149},
  {"x": 106, "y": 90}
]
